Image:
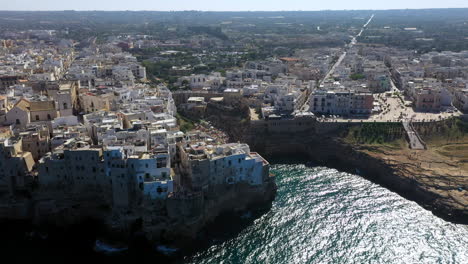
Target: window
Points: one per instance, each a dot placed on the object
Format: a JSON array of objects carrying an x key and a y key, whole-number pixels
[
  {"x": 18, "y": 121},
  {"x": 37, "y": 117}
]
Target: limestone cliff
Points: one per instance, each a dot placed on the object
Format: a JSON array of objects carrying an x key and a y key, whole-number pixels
[{"x": 445, "y": 195}]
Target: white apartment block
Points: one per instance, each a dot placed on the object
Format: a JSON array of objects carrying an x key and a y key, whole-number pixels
[{"x": 342, "y": 102}]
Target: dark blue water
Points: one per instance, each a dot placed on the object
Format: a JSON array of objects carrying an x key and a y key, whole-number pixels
[{"x": 321, "y": 215}]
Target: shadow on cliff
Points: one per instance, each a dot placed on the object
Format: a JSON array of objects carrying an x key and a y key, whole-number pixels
[
  {"x": 25, "y": 242},
  {"x": 225, "y": 227}
]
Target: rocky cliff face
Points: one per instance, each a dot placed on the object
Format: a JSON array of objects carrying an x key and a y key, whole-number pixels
[
  {"x": 436, "y": 178},
  {"x": 397, "y": 175},
  {"x": 237, "y": 198},
  {"x": 180, "y": 223},
  {"x": 233, "y": 119}
]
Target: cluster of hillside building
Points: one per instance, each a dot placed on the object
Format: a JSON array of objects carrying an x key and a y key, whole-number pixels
[
  {"x": 265, "y": 84},
  {"x": 86, "y": 122},
  {"x": 434, "y": 79},
  {"x": 33, "y": 60},
  {"x": 98, "y": 132},
  {"x": 350, "y": 87},
  {"x": 280, "y": 87}
]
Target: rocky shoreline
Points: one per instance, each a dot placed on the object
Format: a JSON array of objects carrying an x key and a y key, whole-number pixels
[
  {"x": 184, "y": 238},
  {"x": 235, "y": 201}
]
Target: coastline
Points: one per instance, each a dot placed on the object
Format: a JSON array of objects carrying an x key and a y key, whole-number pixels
[
  {"x": 333, "y": 152},
  {"x": 239, "y": 207}
]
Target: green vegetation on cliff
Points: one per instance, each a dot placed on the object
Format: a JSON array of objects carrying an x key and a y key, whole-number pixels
[
  {"x": 185, "y": 124},
  {"x": 450, "y": 131},
  {"x": 374, "y": 133}
]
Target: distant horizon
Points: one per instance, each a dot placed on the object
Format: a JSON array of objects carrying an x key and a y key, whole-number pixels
[
  {"x": 226, "y": 6},
  {"x": 240, "y": 11}
]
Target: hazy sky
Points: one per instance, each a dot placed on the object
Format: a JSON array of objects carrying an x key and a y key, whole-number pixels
[{"x": 225, "y": 5}]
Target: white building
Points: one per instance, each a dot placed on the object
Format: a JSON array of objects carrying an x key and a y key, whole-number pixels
[
  {"x": 341, "y": 102},
  {"x": 210, "y": 166}
]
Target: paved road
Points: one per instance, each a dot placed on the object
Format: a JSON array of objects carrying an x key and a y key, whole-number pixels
[
  {"x": 332, "y": 70},
  {"x": 394, "y": 88},
  {"x": 414, "y": 141},
  {"x": 305, "y": 107},
  {"x": 370, "y": 19}
]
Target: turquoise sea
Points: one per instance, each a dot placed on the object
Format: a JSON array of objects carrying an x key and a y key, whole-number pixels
[{"x": 321, "y": 215}]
